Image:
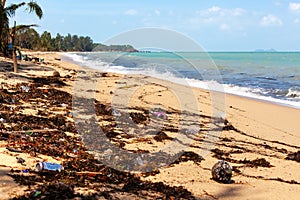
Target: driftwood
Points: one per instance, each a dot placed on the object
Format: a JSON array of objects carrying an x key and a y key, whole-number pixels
[
  {"x": 25, "y": 131},
  {"x": 90, "y": 173}
]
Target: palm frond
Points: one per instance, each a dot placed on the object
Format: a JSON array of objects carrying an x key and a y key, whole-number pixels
[
  {"x": 21, "y": 27},
  {"x": 34, "y": 7},
  {"x": 11, "y": 10}
]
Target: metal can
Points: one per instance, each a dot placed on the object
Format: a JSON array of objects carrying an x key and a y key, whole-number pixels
[{"x": 47, "y": 167}]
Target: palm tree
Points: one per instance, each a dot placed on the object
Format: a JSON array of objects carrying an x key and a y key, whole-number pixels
[
  {"x": 4, "y": 28},
  {"x": 9, "y": 11}
]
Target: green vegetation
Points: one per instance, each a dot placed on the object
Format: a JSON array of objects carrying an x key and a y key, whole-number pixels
[
  {"x": 7, "y": 35},
  {"x": 123, "y": 48},
  {"x": 30, "y": 39}
]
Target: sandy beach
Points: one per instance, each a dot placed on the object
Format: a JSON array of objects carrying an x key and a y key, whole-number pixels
[{"x": 260, "y": 140}]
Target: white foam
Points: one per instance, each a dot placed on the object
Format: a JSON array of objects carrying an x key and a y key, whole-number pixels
[
  {"x": 208, "y": 85},
  {"x": 293, "y": 93},
  {"x": 75, "y": 57}
]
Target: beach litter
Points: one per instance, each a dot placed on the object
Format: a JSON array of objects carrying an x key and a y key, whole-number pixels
[
  {"x": 222, "y": 172},
  {"x": 161, "y": 115},
  {"x": 25, "y": 88},
  {"x": 116, "y": 113},
  {"x": 47, "y": 167},
  {"x": 20, "y": 160},
  {"x": 37, "y": 193}
]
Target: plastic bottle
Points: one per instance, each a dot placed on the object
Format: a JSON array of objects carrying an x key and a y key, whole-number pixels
[{"x": 47, "y": 166}]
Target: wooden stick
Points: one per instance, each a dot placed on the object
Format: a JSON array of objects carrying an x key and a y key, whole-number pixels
[
  {"x": 35, "y": 130},
  {"x": 89, "y": 173}
]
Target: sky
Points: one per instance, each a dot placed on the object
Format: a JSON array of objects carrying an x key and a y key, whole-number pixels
[{"x": 216, "y": 25}]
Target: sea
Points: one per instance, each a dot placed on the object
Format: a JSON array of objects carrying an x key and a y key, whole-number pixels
[{"x": 267, "y": 76}]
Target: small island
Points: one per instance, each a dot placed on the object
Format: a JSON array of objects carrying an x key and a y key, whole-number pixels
[{"x": 266, "y": 50}]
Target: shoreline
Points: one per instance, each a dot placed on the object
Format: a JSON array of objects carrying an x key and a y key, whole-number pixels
[
  {"x": 256, "y": 139},
  {"x": 268, "y": 99}
]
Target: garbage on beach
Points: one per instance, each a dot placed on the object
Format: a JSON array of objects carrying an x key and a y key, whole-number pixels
[
  {"x": 37, "y": 193},
  {"x": 20, "y": 160},
  {"x": 48, "y": 167},
  {"x": 161, "y": 115},
  {"x": 116, "y": 113},
  {"x": 222, "y": 172},
  {"x": 25, "y": 88}
]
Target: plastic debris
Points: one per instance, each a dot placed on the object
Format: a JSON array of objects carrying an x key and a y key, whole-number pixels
[
  {"x": 20, "y": 160},
  {"x": 25, "y": 88},
  {"x": 2, "y": 120},
  {"x": 64, "y": 105},
  {"x": 29, "y": 132},
  {"x": 139, "y": 161},
  {"x": 70, "y": 114},
  {"x": 25, "y": 171},
  {"x": 116, "y": 113},
  {"x": 47, "y": 166},
  {"x": 37, "y": 193},
  {"x": 75, "y": 151},
  {"x": 222, "y": 172},
  {"x": 161, "y": 115}
]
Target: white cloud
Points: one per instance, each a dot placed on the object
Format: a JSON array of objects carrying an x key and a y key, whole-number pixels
[
  {"x": 214, "y": 9},
  {"x": 221, "y": 12},
  {"x": 157, "y": 12},
  {"x": 294, "y": 6},
  {"x": 220, "y": 17},
  {"x": 238, "y": 11},
  {"x": 296, "y": 21},
  {"x": 131, "y": 12},
  {"x": 270, "y": 20},
  {"x": 224, "y": 27}
]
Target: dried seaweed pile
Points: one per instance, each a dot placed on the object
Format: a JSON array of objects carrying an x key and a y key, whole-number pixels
[{"x": 44, "y": 132}]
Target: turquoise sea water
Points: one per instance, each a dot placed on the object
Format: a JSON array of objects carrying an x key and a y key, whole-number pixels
[{"x": 271, "y": 76}]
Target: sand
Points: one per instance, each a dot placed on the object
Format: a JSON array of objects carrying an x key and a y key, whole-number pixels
[{"x": 256, "y": 138}]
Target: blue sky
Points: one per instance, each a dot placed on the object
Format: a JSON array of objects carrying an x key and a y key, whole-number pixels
[{"x": 217, "y": 25}]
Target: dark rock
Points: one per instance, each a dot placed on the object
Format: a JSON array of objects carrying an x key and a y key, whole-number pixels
[
  {"x": 161, "y": 136},
  {"x": 294, "y": 156}
]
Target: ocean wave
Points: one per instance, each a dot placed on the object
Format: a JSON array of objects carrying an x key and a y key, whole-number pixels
[
  {"x": 293, "y": 93},
  {"x": 75, "y": 57},
  {"x": 275, "y": 95}
]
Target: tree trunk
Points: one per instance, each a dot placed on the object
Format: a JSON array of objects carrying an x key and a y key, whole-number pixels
[
  {"x": 3, "y": 2},
  {"x": 14, "y": 56}
]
